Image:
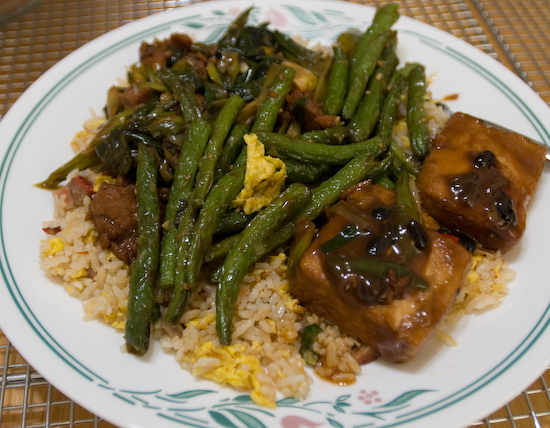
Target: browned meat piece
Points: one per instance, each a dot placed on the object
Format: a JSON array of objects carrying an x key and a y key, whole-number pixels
[
  {"x": 181, "y": 41},
  {"x": 479, "y": 179},
  {"x": 382, "y": 278},
  {"x": 314, "y": 118},
  {"x": 156, "y": 53},
  {"x": 79, "y": 188},
  {"x": 74, "y": 192},
  {"x": 134, "y": 96},
  {"x": 114, "y": 211}
]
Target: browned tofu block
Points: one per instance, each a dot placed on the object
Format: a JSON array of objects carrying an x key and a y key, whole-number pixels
[
  {"x": 479, "y": 179},
  {"x": 385, "y": 280}
]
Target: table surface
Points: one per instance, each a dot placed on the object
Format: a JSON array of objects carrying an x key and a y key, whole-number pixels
[{"x": 512, "y": 31}]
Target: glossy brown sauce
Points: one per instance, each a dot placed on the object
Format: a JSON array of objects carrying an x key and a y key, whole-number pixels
[{"x": 374, "y": 252}]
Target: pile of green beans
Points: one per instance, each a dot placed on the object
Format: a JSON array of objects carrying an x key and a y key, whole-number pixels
[{"x": 188, "y": 137}]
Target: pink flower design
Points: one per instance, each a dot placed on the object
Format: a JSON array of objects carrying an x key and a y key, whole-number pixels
[
  {"x": 298, "y": 422},
  {"x": 276, "y": 18},
  {"x": 233, "y": 12},
  {"x": 369, "y": 397}
]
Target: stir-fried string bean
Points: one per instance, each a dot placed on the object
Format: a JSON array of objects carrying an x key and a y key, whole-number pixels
[
  {"x": 145, "y": 265},
  {"x": 416, "y": 115},
  {"x": 364, "y": 120},
  {"x": 214, "y": 148},
  {"x": 181, "y": 189},
  {"x": 366, "y": 55}
]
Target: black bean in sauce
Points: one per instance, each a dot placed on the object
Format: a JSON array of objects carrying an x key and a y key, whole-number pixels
[
  {"x": 485, "y": 159},
  {"x": 505, "y": 207},
  {"x": 418, "y": 234},
  {"x": 466, "y": 187}
]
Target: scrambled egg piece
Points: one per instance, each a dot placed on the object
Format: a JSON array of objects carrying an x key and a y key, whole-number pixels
[
  {"x": 234, "y": 367},
  {"x": 291, "y": 304},
  {"x": 56, "y": 245},
  {"x": 203, "y": 322},
  {"x": 264, "y": 178},
  {"x": 100, "y": 178}
]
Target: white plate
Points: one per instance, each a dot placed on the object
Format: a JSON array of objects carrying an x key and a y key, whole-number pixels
[{"x": 499, "y": 352}]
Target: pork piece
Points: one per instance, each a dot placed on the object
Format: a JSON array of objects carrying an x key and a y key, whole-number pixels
[
  {"x": 134, "y": 96},
  {"x": 380, "y": 276},
  {"x": 74, "y": 192},
  {"x": 479, "y": 179},
  {"x": 114, "y": 211},
  {"x": 314, "y": 118}
]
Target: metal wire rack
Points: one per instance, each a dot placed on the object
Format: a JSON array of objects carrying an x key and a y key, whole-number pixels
[{"x": 513, "y": 32}]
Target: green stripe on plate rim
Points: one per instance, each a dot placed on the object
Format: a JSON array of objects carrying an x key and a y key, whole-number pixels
[{"x": 89, "y": 374}]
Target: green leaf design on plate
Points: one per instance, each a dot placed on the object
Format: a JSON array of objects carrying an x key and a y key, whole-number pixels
[
  {"x": 216, "y": 34},
  {"x": 335, "y": 423},
  {"x": 405, "y": 398},
  {"x": 243, "y": 399},
  {"x": 221, "y": 419},
  {"x": 190, "y": 394},
  {"x": 301, "y": 15},
  {"x": 248, "y": 420},
  {"x": 195, "y": 25},
  {"x": 287, "y": 401},
  {"x": 320, "y": 16}
]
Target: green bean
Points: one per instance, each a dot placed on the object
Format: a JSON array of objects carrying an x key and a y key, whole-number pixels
[
  {"x": 181, "y": 291},
  {"x": 144, "y": 267},
  {"x": 182, "y": 91},
  {"x": 359, "y": 80},
  {"x": 232, "y": 222},
  {"x": 166, "y": 125},
  {"x": 182, "y": 186},
  {"x": 335, "y": 135},
  {"x": 416, "y": 115},
  {"x": 368, "y": 49},
  {"x": 337, "y": 85},
  {"x": 368, "y": 112},
  {"x": 220, "y": 248},
  {"x": 238, "y": 259},
  {"x": 383, "y": 20},
  {"x": 249, "y": 111},
  {"x": 389, "y": 109},
  {"x": 302, "y": 172},
  {"x": 231, "y": 149},
  {"x": 215, "y": 205},
  {"x": 284, "y": 146},
  {"x": 212, "y": 152},
  {"x": 85, "y": 159},
  {"x": 410, "y": 163},
  {"x": 329, "y": 191},
  {"x": 269, "y": 108}
]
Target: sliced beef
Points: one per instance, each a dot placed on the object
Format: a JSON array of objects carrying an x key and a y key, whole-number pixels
[
  {"x": 381, "y": 277},
  {"x": 479, "y": 179},
  {"x": 114, "y": 211}
]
